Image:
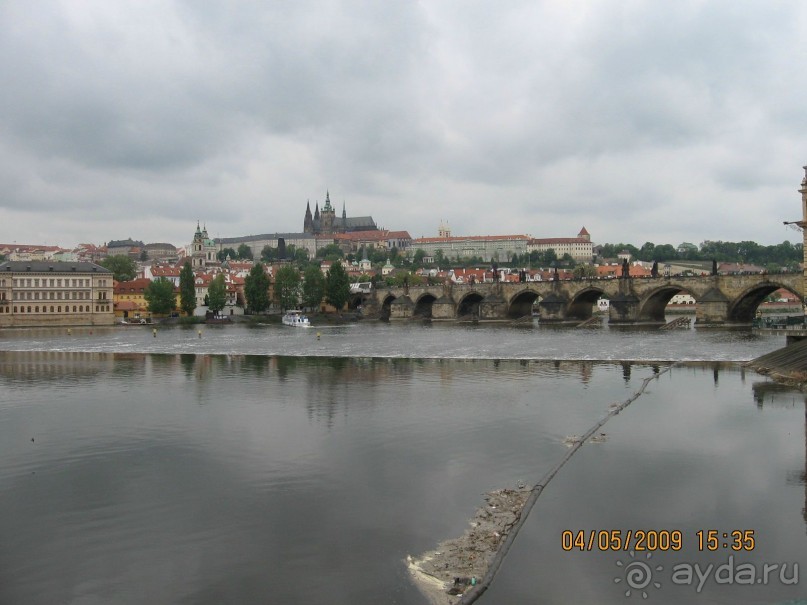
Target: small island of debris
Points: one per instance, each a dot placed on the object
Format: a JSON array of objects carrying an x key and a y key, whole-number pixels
[{"x": 444, "y": 574}]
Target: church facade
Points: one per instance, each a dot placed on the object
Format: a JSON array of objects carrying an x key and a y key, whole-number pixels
[{"x": 325, "y": 221}]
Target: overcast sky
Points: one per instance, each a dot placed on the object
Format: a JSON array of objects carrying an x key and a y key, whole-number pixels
[{"x": 642, "y": 121}]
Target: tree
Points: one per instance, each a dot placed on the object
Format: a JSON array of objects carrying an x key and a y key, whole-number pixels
[
  {"x": 313, "y": 286},
  {"x": 300, "y": 256},
  {"x": 583, "y": 271},
  {"x": 256, "y": 289},
  {"x": 287, "y": 287},
  {"x": 123, "y": 268},
  {"x": 217, "y": 294},
  {"x": 330, "y": 252},
  {"x": 337, "y": 286},
  {"x": 244, "y": 252},
  {"x": 187, "y": 290},
  {"x": 664, "y": 252},
  {"x": 268, "y": 253},
  {"x": 159, "y": 295},
  {"x": 144, "y": 256},
  {"x": 417, "y": 259},
  {"x": 225, "y": 252}
]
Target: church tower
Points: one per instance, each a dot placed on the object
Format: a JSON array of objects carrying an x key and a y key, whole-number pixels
[
  {"x": 198, "y": 249},
  {"x": 327, "y": 216},
  {"x": 308, "y": 223},
  {"x": 343, "y": 228}
]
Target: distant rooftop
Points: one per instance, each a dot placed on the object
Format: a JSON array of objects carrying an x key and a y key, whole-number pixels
[{"x": 21, "y": 266}]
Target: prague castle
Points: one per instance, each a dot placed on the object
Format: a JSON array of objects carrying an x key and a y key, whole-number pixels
[{"x": 325, "y": 222}]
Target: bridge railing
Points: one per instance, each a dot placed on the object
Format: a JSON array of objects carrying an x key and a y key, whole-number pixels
[{"x": 783, "y": 322}]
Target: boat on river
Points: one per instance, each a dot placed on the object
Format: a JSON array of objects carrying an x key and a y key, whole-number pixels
[{"x": 296, "y": 319}]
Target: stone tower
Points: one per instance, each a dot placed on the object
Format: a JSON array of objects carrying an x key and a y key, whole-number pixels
[
  {"x": 443, "y": 230},
  {"x": 198, "y": 249},
  {"x": 327, "y": 216},
  {"x": 308, "y": 222}
]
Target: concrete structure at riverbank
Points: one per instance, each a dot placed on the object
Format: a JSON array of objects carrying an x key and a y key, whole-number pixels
[{"x": 40, "y": 293}]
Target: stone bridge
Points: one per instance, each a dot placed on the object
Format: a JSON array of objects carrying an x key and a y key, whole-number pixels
[{"x": 721, "y": 299}]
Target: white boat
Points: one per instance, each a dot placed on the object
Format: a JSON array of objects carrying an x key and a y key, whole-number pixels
[{"x": 296, "y": 319}]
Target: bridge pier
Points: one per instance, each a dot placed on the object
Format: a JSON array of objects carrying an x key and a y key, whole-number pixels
[
  {"x": 493, "y": 306},
  {"x": 444, "y": 308},
  {"x": 624, "y": 308},
  {"x": 552, "y": 308},
  {"x": 401, "y": 308},
  {"x": 713, "y": 308}
]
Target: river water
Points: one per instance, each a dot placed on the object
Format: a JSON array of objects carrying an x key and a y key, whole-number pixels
[{"x": 274, "y": 465}]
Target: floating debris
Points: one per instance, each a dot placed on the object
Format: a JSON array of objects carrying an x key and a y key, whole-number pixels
[
  {"x": 445, "y": 573},
  {"x": 601, "y": 438},
  {"x": 571, "y": 440}
]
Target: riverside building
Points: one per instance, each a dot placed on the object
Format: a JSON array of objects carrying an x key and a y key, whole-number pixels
[{"x": 39, "y": 293}]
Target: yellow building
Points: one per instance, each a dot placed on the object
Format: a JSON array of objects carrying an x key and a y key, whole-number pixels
[
  {"x": 130, "y": 301},
  {"x": 42, "y": 293}
]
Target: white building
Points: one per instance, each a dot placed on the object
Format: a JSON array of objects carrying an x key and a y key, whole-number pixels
[{"x": 579, "y": 248}]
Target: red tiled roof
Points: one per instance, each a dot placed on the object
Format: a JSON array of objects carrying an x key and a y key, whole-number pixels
[
  {"x": 435, "y": 240},
  {"x": 134, "y": 286},
  {"x": 558, "y": 240},
  {"x": 126, "y": 305}
]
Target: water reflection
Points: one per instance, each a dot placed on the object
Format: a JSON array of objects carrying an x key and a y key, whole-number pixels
[{"x": 219, "y": 467}]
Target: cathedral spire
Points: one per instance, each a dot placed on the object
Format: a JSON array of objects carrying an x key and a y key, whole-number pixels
[{"x": 308, "y": 222}]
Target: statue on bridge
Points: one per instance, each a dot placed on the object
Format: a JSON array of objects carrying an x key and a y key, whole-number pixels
[
  {"x": 654, "y": 270},
  {"x": 714, "y": 266},
  {"x": 625, "y": 269}
]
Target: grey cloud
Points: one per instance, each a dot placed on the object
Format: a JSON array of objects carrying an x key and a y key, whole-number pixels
[{"x": 242, "y": 111}]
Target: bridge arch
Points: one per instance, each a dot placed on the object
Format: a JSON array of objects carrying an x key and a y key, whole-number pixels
[
  {"x": 521, "y": 303},
  {"x": 469, "y": 304},
  {"x": 423, "y": 305},
  {"x": 386, "y": 308},
  {"x": 582, "y": 305},
  {"x": 743, "y": 308},
  {"x": 654, "y": 303},
  {"x": 356, "y": 300}
]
